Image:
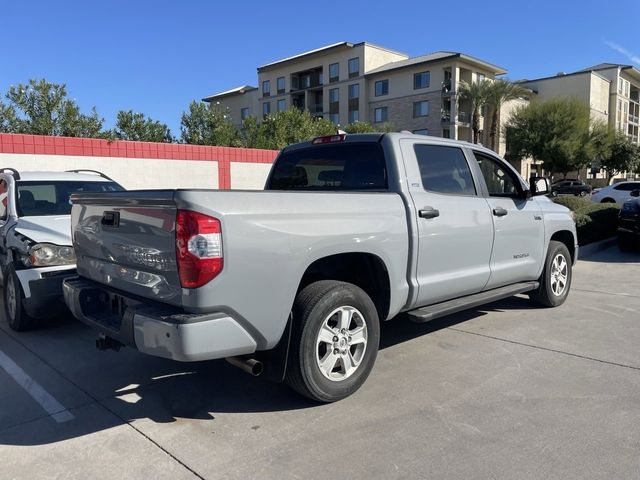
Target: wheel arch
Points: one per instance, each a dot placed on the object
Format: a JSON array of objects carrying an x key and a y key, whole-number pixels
[
  {"x": 365, "y": 270},
  {"x": 566, "y": 237}
]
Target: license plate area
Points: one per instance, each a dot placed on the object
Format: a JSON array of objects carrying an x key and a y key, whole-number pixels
[{"x": 104, "y": 307}]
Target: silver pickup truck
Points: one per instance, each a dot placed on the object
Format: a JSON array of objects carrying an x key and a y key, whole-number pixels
[{"x": 350, "y": 230}]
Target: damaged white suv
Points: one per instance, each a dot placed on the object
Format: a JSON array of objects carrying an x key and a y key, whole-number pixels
[{"x": 35, "y": 239}]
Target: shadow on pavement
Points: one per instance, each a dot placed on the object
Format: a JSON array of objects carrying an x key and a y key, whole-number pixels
[
  {"x": 163, "y": 391},
  {"x": 613, "y": 255}
]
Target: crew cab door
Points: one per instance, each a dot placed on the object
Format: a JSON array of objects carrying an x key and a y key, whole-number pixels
[
  {"x": 454, "y": 224},
  {"x": 518, "y": 246}
]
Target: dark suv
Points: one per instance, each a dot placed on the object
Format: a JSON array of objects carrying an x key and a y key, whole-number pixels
[
  {"x": 629, "y": 223},
  {"x": 570, "y": 187}
]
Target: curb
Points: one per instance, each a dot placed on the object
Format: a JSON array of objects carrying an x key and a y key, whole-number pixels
[{"x": 596, "y": 247}]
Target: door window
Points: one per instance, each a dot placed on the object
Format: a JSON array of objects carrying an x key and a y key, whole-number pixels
[
  {"x": 500, "y": 181},
  {"x": 444, "y": 170}
]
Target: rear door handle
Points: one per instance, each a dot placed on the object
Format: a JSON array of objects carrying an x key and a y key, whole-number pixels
[
  {"x": 499, "y": 212},
  {"x": 428, "y": 212}
]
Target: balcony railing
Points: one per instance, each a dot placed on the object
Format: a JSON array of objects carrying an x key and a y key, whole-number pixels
[
  {"x": 634, "y": 119},
  {"x": 464, "y": 117},
  {"x": 316, "y": 108},
  {"x": 446, "y": 86}
]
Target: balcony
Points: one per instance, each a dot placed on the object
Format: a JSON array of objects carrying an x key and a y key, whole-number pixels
[
  {"x": 316, "y": 108},
  {"x": 633, "y": 119},
  {"x": 446, "y": 86},
  {"x": 445, "y": 116},
  {"x": 464, "y": 117}
]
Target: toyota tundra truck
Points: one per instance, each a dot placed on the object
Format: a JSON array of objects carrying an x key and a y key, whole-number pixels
[{"x": 350, "y": 230}]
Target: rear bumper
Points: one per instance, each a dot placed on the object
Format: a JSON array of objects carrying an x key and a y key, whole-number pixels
[{"x": 156, "y": 329}]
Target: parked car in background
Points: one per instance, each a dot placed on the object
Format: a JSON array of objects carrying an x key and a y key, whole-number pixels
[
  {"x": 616, "y": 193},
  {"x": 570, "y": 187},
  {"x": 629, "y": 223},
  {"x": 35, "y": 238}
]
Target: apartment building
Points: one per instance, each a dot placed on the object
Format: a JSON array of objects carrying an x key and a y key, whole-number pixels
[
  {"x": 348, "y": 82},
  {"x": 612, "y": 91}
]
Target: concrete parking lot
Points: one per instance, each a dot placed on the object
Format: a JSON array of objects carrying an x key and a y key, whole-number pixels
[{"x": 506, "y": 391}]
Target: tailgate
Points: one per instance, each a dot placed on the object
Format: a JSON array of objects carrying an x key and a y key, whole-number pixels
[{"x": 126, "y": 240}]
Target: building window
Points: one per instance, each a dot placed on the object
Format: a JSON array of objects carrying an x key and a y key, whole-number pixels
[
  {"x": 266, "y": 108},
  {"x": 421, "y": 80},
  {"x": 446, "y": 133},
  {"x": 380, "y": 115},
  {"x": 354, "y": 67},
  {"x": 381, "y": 88},
  {"x": 480, "y": 77},
  {"x": 334, "y": 118},
  {"x": 354, "y": 116},
  {"x": 282, "y": 105},
  {"x": 244, "y": 113},
  {"x": 334, "y": 95},
  {"x": 422, "y": 131},
  {"x": 280, "y": 84},
  {"x": 334, "y": 72},
  {"x": 266, "y": 88},
  {"x": 354, "y": 91},
  {"x": 420, "y": 109}
]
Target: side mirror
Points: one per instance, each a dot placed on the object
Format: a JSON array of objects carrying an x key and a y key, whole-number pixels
[
  {"x": 539, "y": 185},
  {"x": 635, "y": 193}
]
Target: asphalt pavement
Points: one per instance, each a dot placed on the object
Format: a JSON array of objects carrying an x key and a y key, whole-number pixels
[{"x": 507, "y": 391}]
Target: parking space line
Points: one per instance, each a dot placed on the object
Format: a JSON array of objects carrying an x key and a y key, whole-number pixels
[{"x": 52, "y": 406}]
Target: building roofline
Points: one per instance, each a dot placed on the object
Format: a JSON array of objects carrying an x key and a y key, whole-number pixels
[
  {"x": 551, "y": 77},
  {"x": 413, "y": 61},
  {"x": 227, "y": 93},
  {"x": 305, "y": 54},
  {"x": 380, "y": 47}
]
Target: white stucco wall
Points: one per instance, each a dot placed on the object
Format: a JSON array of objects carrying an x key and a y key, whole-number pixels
[
  {"x": 249, "y": 176},
  {"x": 131, "y": 173}
]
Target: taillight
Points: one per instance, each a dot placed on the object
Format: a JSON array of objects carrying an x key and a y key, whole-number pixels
[
  {"x": 341, "y": 137},
  {"x": 198, "y": 248}
]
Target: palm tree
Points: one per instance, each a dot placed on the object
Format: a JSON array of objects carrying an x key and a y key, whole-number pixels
[
  {"x": 500, "y": 92},
  {"x": 478, "y": 94}
]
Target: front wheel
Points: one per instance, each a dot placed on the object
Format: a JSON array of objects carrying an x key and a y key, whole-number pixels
[
  {"x": 583, "y": 193},
  {"x": 14, "y": 311},
  {"x": 334, "y": 340},
  {"x": 556, "y": 277}
]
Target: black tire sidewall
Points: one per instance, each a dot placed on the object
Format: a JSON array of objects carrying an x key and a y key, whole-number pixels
[
  {"x": 551, "y": 298},
  {"x": 343, "y": 294},
  {"x": 17, "y": 322}
]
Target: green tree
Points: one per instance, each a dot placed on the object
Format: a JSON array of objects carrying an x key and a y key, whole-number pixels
[
  {"x": 477, "y": 93},
  {"x": 556, "y": 132},
  {"x": 280, "y": 129},
  {"x": 135, "y": 126},
  {"x": 43, "y": 108},
  {"x": 621, "y": 156},
  {"x": 208, "y": 124},
  {"x": 500, "y": 92},
  {"x": 366, "y": 127}
]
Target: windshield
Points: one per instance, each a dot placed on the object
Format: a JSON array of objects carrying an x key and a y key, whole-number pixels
[{"x": 43, "y": 198}]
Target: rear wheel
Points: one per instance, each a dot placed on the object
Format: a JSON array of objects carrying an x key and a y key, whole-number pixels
[
  {"x": 555, "y": 281},
  {"x": 15, "y": 314},
  {"x": 334, "y": 340}
]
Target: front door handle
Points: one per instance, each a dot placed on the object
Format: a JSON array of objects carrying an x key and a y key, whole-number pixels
[
  {"x": 428, "y": 212},
  {"x": 499, "y": 212}
]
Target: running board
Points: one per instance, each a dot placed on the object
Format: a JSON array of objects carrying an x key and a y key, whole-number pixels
[{"x": 432, "y": 312}]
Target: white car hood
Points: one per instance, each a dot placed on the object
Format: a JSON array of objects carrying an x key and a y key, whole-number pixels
[{"x": 46, "y": 229}]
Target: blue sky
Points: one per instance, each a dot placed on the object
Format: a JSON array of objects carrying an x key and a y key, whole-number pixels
[{"x": 156, "y": 56}]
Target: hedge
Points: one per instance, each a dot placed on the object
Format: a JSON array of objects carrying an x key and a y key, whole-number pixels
[{"x": 594, "y": 221}]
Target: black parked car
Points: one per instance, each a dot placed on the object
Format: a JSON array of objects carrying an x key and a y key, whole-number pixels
[
  {"x": 629, "y": 223},
  {"x": 570, "y": 187}
]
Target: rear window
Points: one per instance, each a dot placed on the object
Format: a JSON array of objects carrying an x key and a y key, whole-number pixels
[
  {"x": 356, "y": 166},
  {"x": 42, "y": 198}
]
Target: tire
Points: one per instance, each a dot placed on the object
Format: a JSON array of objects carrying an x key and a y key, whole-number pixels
[
  {"x": 554, "y": 193},
  {"x": 321, "y": 307},
  {"x": 583, "y": 193},
  {"x": 625, "y": 244},
  {"x": 13, "y": 295},
  {"x": 552, "y": 291}
]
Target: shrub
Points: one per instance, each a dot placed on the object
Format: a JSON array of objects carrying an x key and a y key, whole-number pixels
[{"x": 594, "y": 221}]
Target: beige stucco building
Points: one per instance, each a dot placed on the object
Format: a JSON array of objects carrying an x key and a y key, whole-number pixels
[{"x": 347, "y": 82}]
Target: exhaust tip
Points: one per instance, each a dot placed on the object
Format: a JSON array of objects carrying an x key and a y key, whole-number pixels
[{"x": 250, "y": 365}]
